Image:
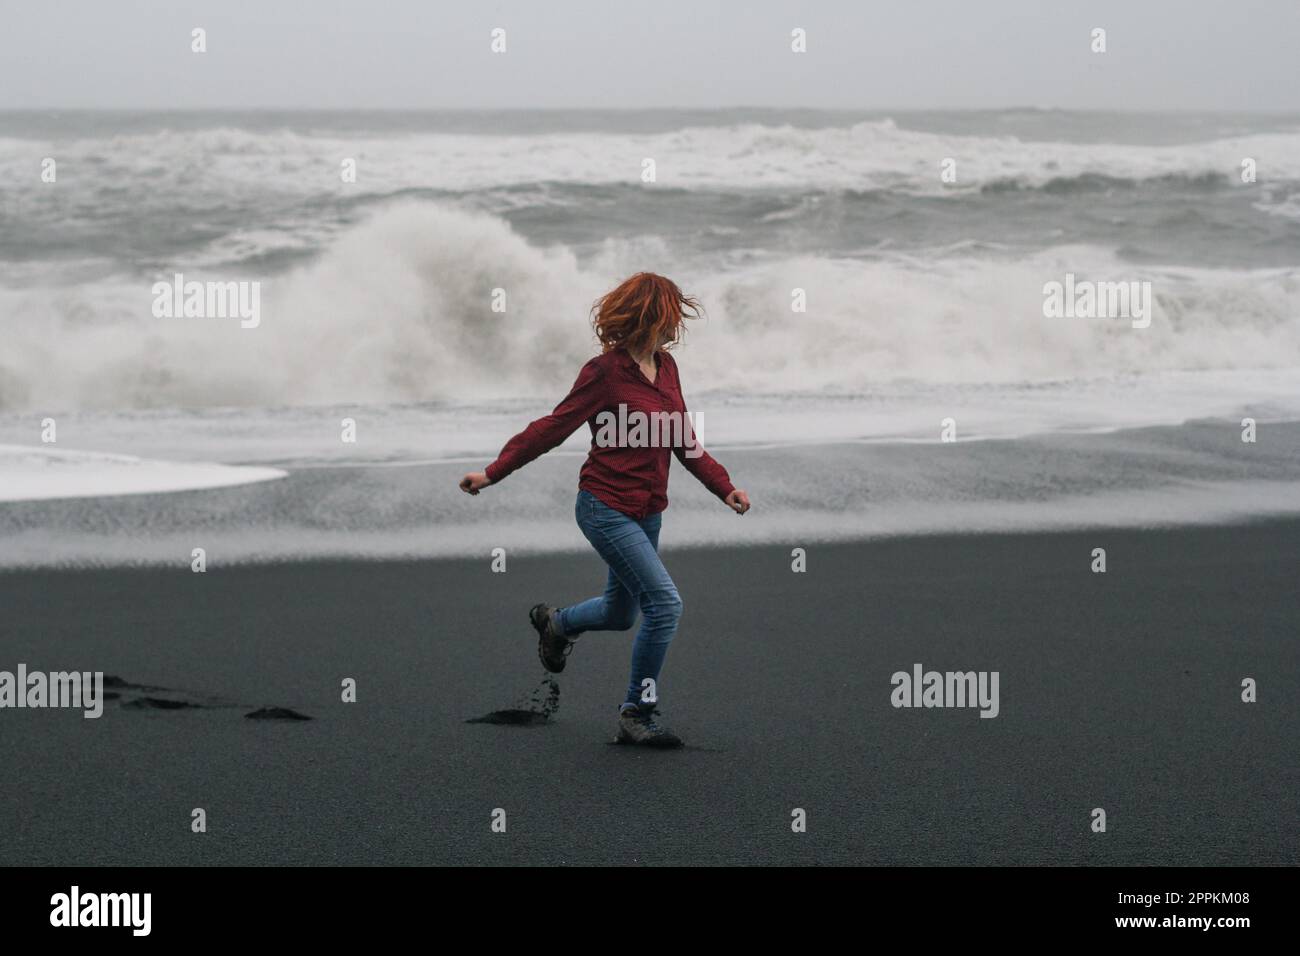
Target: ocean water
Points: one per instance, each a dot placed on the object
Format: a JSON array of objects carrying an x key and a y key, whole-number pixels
[{"x": 924, "y": 298}]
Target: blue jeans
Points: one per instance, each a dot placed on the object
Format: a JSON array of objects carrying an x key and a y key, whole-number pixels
[{"x": 637, "y": 581}]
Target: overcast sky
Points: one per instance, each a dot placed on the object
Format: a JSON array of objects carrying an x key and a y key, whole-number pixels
[{"x": 402, "y": 54}]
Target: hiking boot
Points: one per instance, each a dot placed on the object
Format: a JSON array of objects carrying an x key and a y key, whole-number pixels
[
  {"x": 552, "y": 646},
  {"x": 640, "y": 727}
]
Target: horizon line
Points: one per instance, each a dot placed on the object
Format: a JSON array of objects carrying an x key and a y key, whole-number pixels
[{"x": 649, "y": 109}]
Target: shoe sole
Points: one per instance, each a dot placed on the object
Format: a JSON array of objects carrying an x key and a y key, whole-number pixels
[
  {"x": 654, "y": 743},
  {"x": 539, "y": 625}
]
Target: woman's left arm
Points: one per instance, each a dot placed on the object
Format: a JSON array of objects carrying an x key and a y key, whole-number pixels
[{"x": 707, "y": 470}]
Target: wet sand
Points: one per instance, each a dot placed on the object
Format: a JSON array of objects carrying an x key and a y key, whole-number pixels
[{"x": 1119, "y": 690}]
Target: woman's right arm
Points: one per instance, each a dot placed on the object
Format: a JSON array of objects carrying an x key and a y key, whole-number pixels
[{"x": 583, "y": 401}]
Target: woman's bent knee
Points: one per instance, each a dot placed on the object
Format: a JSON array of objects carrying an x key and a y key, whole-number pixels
[{"x": 662, "y": 609}]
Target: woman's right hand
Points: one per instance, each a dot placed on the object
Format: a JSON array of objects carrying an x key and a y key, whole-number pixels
[
  {"x": 474, "y": 482},
  {"x": 738, "y": 501}
]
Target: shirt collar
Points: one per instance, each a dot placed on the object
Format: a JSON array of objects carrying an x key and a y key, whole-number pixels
[{"x": 628, "y": 361}]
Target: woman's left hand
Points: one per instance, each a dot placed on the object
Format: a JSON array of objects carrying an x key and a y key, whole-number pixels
[
  {"x": 474, "y": 482},
  {"x": 738, "y": 502}
]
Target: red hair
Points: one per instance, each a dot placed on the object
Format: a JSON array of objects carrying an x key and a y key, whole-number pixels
[{"x": 644, "y": 313}]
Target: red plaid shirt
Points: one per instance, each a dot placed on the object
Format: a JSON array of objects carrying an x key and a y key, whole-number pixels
[{"x": 633, "y": 480}]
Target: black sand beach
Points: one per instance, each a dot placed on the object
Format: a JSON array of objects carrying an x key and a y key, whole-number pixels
[{"x": 1119, "y": 690}]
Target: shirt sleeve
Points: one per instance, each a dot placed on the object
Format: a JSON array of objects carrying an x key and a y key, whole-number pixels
[
  {"x": 707, "y": 470},
  {"x": 583, "y": 401}
]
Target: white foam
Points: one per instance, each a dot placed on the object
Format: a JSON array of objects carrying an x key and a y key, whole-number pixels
[
  {"x": 867, "y": 155},
  {"x": 398, "y": 310},
  {"x": 33, "y": 473}
]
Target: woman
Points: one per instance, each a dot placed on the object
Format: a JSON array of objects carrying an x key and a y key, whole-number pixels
[{"x": 623, "y": 486}]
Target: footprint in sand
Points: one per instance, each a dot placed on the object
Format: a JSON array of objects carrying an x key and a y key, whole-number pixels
[
  {"x": 540, "y": 706},
  {"x": 149, "y": 697}
]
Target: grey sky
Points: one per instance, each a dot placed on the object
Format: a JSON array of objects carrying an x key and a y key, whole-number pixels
[{"x": 404, "y": 54}]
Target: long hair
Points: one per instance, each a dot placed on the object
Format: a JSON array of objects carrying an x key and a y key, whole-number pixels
[{"x": 644, "y": 313}]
